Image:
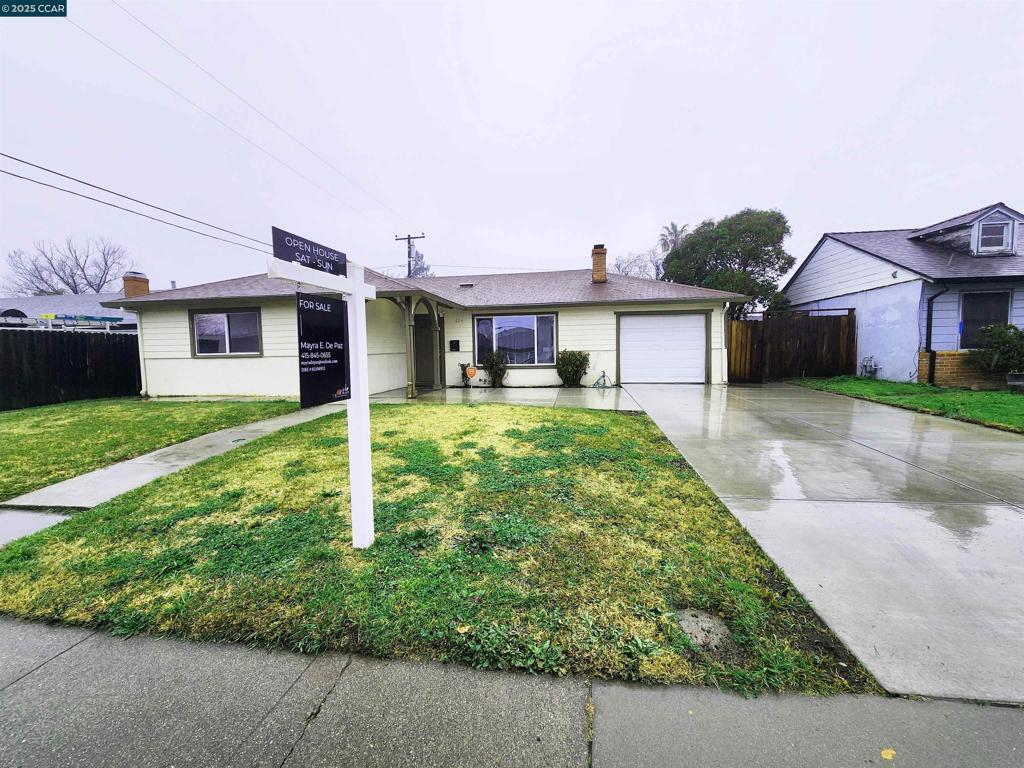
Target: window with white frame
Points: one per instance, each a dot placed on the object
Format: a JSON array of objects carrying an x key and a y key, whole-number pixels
[
  {"x": 525, "y": 339},
  {"x": 994, "y": 236},
  {"x": 230, "y": 332}
]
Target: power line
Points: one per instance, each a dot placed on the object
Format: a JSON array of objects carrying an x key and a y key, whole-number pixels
[
  {"x": 133, "y": 199},
  {"x": 255, "y": 109},
  {"x": 210, "y": 114},
  {"x": 129, "y": 210}
]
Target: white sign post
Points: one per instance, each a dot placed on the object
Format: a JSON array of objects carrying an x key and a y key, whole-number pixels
[{"x": 360, "y": 470}]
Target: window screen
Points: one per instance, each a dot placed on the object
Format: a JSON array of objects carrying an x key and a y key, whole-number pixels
[{"x": 979, "y": 310}]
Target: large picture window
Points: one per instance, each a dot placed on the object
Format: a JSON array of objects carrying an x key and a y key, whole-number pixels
[
  {"x": 227, "y": 333},
  {"x": 525, "y": 339},
  {"x": 977, "y": 311}
]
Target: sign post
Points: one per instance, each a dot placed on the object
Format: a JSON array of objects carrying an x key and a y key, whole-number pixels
[{"x": 304, "y": 261}]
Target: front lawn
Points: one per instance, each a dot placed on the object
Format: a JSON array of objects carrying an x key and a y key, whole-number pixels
[
  {"x": 1002, "y": 410},
  {"x": 553, "y": 540},
  {"x": 44, "y": 445}
]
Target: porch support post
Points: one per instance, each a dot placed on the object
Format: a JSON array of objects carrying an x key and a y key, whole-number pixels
[
  {"x": 435, "y": 338},
  {"x": 410, "y": 357}
]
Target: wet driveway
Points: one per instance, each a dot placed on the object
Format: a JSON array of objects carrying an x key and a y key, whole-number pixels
[{"x": 906, "y": 531}]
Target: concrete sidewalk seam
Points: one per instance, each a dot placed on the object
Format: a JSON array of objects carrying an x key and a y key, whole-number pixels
[
  {"x": 314, "y": 713},
  {"x": 44, "y": 663}
]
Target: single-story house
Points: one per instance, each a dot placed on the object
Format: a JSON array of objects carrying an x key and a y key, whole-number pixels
[
  {"x": 239, "y": 336},
  {"x": 82, "y": 311},
  {"x": 921, "y": 295}
]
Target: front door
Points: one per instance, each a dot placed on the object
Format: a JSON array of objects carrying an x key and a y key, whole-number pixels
[{"x": 423, "y": 352}]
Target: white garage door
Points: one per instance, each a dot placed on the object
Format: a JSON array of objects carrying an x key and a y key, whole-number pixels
[{"x": 662, "y": 349}]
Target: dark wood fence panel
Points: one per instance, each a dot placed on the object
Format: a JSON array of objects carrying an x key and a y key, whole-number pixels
[
  {"x": 40, "y": 367},
  {"x": 792, "y": 344}
]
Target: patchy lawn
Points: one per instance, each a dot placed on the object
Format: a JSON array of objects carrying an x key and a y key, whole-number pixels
[
  {"x": 50, "y": 443},
  {"x": 1002, "y": 410},
  {"x": 551, "y": 540}
]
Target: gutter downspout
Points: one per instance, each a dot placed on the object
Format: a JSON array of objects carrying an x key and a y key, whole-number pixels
[
  {"x": 928, "y": 335},
  {"x": 143, "y": 392}
]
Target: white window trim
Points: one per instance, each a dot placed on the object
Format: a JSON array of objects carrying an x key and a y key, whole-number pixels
[
  {"x": 1007, "y": 244},
  {"x": 494, "y": 334}
]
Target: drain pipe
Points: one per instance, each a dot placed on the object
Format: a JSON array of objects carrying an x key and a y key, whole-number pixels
[{"x": 928, "y": 336}]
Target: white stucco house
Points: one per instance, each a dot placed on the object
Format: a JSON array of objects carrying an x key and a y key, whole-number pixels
[
  {"x": 921, "y": 295},
  {"x": 240, "y": 336}
]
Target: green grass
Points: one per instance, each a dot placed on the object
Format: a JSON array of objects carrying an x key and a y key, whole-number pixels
[
  {"x": 548, "y": 540},
  {"x": 44, "y": 445},
  {"x": 1002, "y": 410}
]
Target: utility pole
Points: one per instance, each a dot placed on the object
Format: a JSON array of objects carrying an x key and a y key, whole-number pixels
[{"x": 408, "y": 239}]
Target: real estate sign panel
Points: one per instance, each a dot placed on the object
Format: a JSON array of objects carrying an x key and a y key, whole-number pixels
[
  {"x": 301, "y": 250},
  {"x": 323, "y": 349}
]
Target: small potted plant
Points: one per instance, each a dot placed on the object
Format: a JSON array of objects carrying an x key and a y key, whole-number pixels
[{"x": 1001, "y": 351}]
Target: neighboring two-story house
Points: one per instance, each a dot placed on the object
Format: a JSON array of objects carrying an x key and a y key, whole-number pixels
[{"x": 921, "y": 295}]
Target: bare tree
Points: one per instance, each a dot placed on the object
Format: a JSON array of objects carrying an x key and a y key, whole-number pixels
[
  {"x": 648, "y": 264},
  {"x": 69, "y": 268}
]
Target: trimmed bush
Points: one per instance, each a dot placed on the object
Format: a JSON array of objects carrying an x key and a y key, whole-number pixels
[
  {"x": 496, "y": 365},
  {"x": 572, "y": 365}
]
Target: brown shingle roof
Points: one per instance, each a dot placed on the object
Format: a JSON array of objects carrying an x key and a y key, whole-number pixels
[
  {"x": 468, "y": 291},
  {"x": 571, "y": 286}
]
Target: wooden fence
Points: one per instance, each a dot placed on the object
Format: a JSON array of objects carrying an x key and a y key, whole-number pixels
[
  {"x": 792, "y": 344},
  {"x": 38, "y": 367}
]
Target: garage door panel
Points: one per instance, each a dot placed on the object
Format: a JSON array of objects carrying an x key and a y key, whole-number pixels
[{"x": 662, "y": 349}]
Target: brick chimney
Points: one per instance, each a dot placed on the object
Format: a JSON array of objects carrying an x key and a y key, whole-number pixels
[
  {"x": 135, "y": 284},
  {"x": 599, "y": 268}
]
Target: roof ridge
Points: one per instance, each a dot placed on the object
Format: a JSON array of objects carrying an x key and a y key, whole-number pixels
[
  {"x": 871, "y": 231},
  {"x": 502, "y": 274}
]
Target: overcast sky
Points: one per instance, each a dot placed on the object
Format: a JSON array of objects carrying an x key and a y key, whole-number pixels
[{"x": 514, "y": 135}]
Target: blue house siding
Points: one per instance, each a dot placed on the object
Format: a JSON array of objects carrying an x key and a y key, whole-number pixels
[
  {"x": 946, "y": 310},
  {"x": 887, "y": 326}
]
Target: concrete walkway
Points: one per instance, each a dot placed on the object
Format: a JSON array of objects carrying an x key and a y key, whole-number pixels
[
  {"x": 98, "y": 486},
  {"x": 905, "y": 531},
  {"x": 613, "y": 399},
  {"x": 75, "y": 697}
]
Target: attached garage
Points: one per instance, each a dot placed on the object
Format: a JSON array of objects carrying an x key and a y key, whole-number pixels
[{"x": 664, "y": 348}]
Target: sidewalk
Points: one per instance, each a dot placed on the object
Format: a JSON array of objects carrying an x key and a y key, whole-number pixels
[
  {"x": 98, "y": 486},
  {"x": 76, "y": 697}
]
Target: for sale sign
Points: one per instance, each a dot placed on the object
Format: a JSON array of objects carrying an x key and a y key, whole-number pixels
[{"x": 324, "y": 375}]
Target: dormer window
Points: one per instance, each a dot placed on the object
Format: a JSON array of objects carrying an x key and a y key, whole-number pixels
[{"x": 994, "y": 237}]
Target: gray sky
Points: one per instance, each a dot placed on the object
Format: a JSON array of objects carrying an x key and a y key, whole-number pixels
[{"x": 513, "y": 134}]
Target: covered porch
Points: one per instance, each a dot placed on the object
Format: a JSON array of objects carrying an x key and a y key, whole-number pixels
[{"x": 422, "y": 320}]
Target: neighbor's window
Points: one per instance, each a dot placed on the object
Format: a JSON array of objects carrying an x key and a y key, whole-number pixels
[
  {"x": 977, "y": 311},
  {"x": 525, "y": 339},
  {"x": 227, "y": 333},
  {"x": 994, "y": 237}
]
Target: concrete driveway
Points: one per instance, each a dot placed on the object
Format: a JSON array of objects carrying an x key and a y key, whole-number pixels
[{"x": 905, "y": 531}]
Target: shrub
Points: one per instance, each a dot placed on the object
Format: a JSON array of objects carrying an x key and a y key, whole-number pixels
[
  {"x": 571, "y": 366},
  {"x": 496, "y": 365},
  {"x": 1001, "y": 350}
]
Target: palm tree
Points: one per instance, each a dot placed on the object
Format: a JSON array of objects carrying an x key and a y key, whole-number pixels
[{"x": 671, "y": 236}]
